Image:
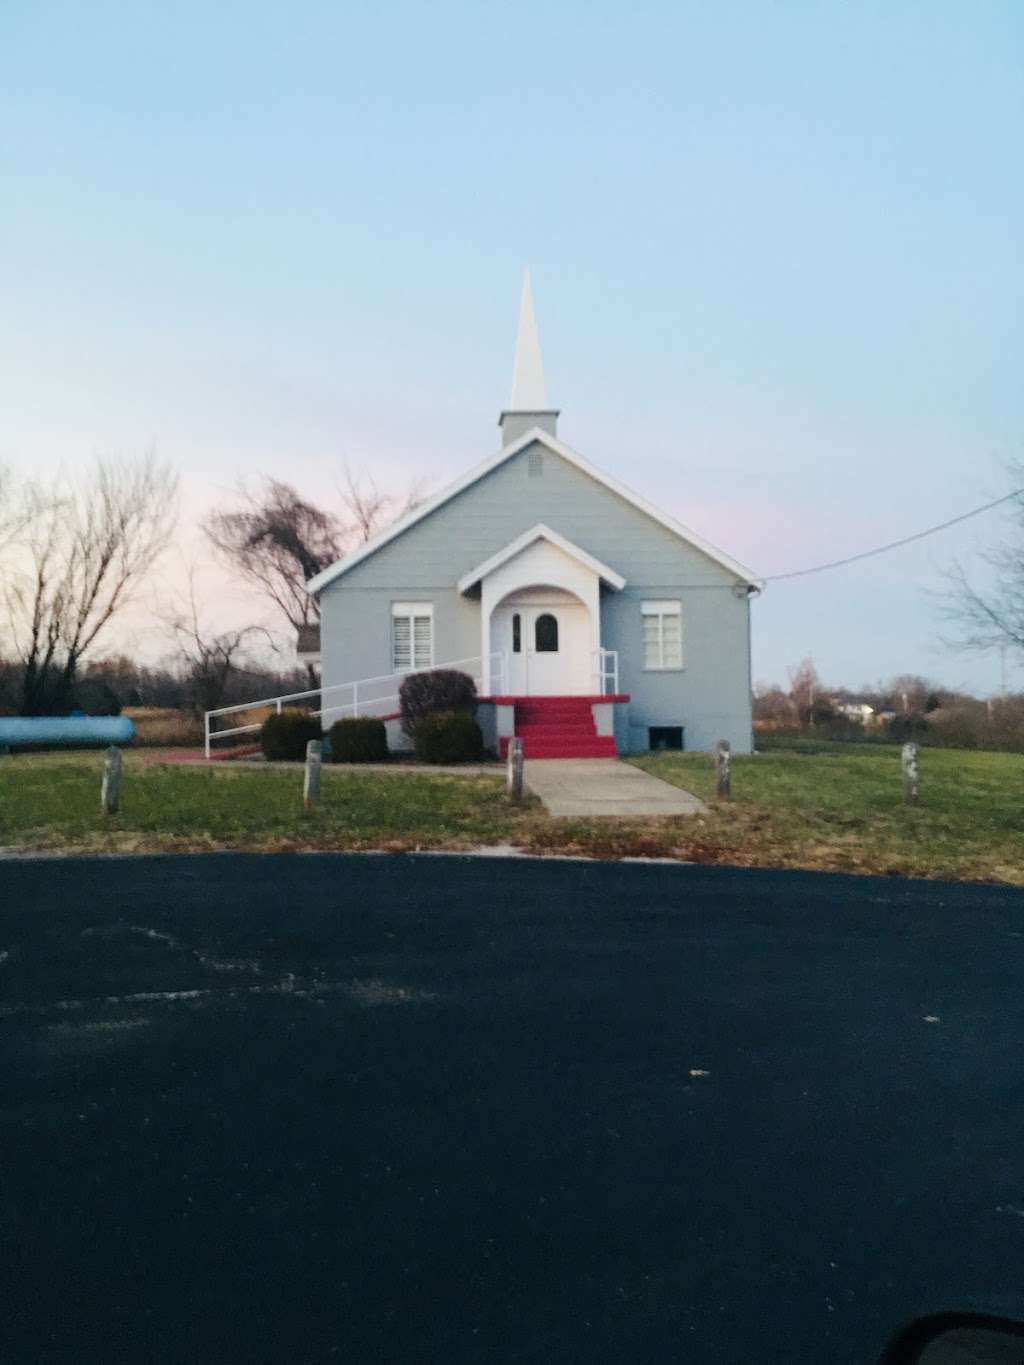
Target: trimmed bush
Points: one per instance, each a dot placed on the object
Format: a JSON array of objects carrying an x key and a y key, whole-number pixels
[
  {"x": 448, "y": 737},
  {"x": 443, "y": 689},
  {"x": 359, "y": 739},
  {"x": 284, "y": 737}
]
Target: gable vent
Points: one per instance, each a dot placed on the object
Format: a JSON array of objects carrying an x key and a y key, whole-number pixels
[{"x": 535, "y": 464}]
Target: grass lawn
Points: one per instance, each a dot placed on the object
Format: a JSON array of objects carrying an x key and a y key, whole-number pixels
[
  {"x": 840, "y": 809},
  {"x": 51, "y": 801}
]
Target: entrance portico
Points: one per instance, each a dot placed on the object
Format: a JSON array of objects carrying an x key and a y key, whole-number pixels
[
  {"x": 544, "y": 635},
  {"x": 540, "y": 612}
]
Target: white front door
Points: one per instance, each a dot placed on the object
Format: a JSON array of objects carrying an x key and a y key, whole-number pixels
[{"x": 546, "y": 647}]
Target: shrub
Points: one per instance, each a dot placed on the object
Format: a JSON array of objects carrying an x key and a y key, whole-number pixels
[
  {"x": 903, "y": 729},
  {"x": 97, "y": 698},
  {"x": 284, "y": 737},
  {"x": 448, "y": 737},
  {"x": 443, "y": 689},
  {"x": 359, "y": 739}
]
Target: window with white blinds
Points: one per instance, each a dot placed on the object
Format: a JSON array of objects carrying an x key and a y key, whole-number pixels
[
  {"x": 412, "y": 635},
  {"x": 663, "y": 634}
]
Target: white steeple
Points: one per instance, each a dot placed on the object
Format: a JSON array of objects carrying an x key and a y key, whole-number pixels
[
  {"x": 528, "y": 391},
  {"x": 529, "y": 403}
]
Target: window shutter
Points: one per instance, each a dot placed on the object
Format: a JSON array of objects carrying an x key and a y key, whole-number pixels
[
  {"x": 423, "y": 641},
  {"x": 401, "y": 658}
]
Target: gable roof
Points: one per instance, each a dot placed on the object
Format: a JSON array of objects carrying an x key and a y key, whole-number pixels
[
  {"x": 480, "y": 471},
  {"x": 540, "y": 532}
]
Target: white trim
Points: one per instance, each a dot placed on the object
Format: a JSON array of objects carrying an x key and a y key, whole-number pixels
[
  {"x": 411, "y": 613},
  {"x": 412, "y": 608},
  {"x": 540, "y": 532},
  {"x": 342, "y": 566},
  {"x": 670, "y": 607}
]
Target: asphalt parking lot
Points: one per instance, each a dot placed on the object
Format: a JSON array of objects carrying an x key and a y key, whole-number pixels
[{"x": 414, "y": 1109}]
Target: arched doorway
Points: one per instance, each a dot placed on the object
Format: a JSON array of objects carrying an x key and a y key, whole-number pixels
[{"x": 544, "y": 634}]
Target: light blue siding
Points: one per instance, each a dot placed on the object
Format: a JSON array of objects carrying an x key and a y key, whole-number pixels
[{"x": 710, "y": 695}]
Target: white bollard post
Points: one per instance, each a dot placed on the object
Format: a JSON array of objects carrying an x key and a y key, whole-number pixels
[
  {"x": 723, "y": 776},
  {"x": 311, "y": 784},
  {"x": 911, "y": 774},
  {"x": 110, "y": 788},
  {"x": 515, "y": 769}
]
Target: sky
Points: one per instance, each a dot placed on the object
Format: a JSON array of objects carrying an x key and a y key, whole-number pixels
[{"x": 775, "y": 250}]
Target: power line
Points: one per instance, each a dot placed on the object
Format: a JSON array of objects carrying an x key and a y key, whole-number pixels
[{"x": 896, "y": 544}]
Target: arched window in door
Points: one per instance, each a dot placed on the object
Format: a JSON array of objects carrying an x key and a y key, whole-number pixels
[{"x": 545, "y": 634}]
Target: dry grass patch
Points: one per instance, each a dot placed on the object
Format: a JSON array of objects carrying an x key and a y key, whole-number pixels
[
  {"x": 842, "y": 810},
  {"x": 165, "y": 726}
]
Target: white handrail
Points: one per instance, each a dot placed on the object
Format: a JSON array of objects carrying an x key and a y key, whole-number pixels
[{"x": 210, "y": 735}]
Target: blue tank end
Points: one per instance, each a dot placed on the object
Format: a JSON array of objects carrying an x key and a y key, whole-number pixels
[{"x": 65, "y": 732}]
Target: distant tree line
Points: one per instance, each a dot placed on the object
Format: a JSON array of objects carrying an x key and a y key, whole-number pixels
[
  {"x": 905, "y": 707},
  {"x": 108, "y": 686}
]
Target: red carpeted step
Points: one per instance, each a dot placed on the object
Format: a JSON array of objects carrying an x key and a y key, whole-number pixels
[
  {"x": 552, "y": 722},
  {"x": 554, "y": 704},
  {"x": 595, "y": 746},
  {"x": 544, "y": 730}
]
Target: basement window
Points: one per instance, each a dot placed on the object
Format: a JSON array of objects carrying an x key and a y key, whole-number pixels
[{"x": 664, "y": 737}]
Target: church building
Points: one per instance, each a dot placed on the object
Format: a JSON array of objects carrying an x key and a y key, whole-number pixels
[{"x": 592, "y": 621}]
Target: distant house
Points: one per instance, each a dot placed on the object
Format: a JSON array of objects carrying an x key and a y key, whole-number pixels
[
  {"x": 857, "y": 711},
  {"x": 592, "y": 620},
  {"x": 307, "y": 644}
]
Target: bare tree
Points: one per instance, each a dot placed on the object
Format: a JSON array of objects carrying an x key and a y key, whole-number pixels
[
  {"x": 209, "y": 660},
  {"x": 278, "y": 541},
  {"x": 985, "y": 619},
  {"x": 369, "y": 510},
  {"x": 773, "y": 705},
  {"x": 84, "y": 549},
  {"x": 14, "y": 507},
  {"x": 804, "y": 688}
]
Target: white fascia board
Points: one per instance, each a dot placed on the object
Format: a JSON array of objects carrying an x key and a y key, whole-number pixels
[
  {"x": 541, "y": 532},
  {"x": 342, "y": 566}
]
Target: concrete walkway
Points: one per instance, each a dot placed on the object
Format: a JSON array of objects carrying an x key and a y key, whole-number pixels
[{"x": 604, "y": 786}]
